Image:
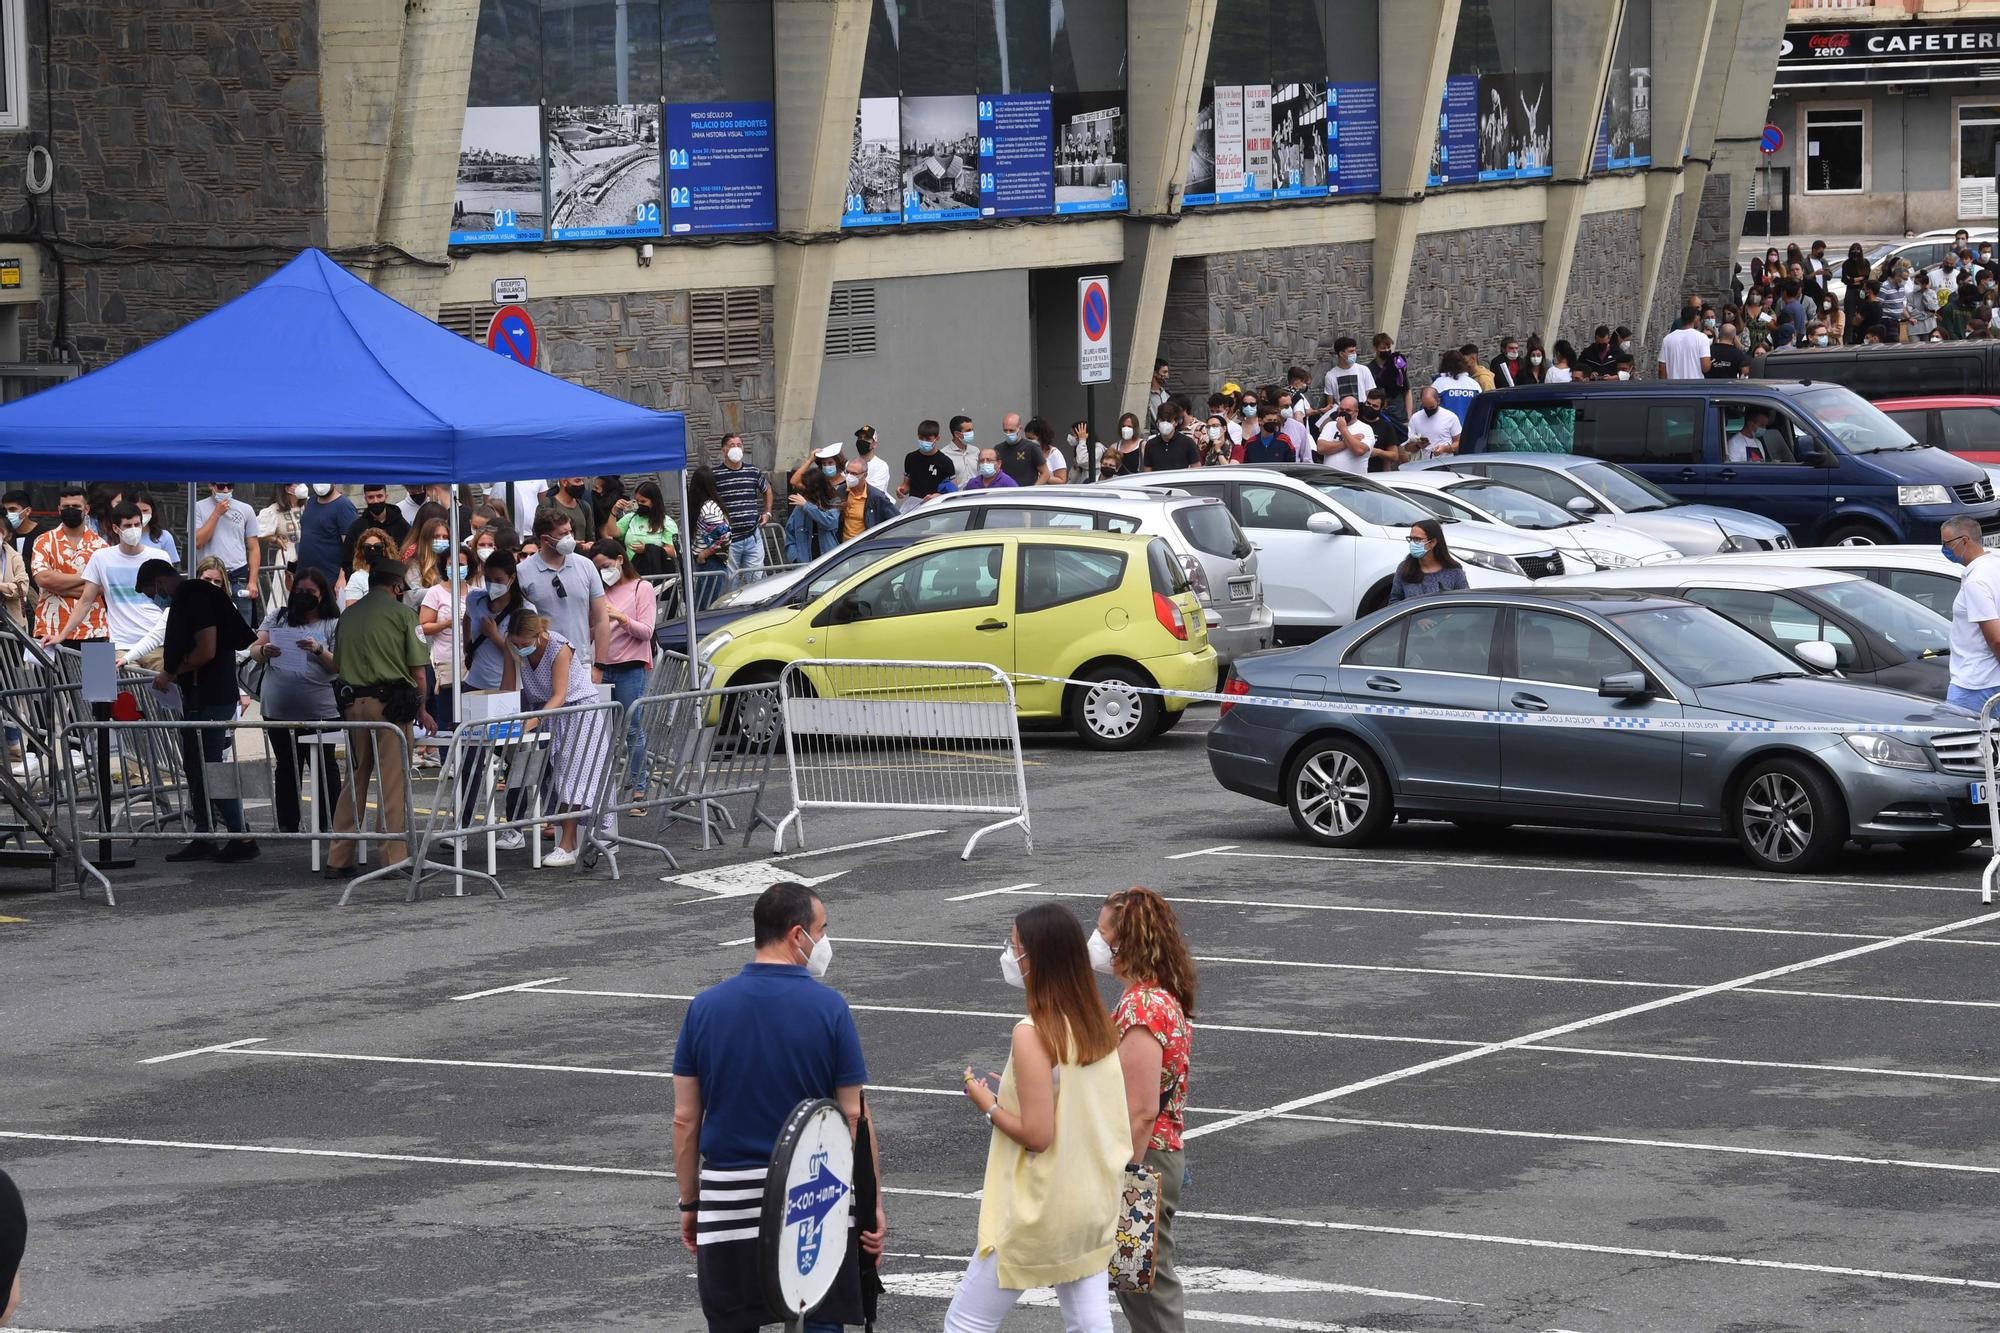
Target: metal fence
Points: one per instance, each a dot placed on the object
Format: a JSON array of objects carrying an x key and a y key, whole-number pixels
[
  {"x": 700, "y": 750},
  {"x": 1988, "y": 746},
  {"x": 931, "y": 736}
]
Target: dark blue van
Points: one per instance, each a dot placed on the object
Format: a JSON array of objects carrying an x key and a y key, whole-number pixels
[{"x": 1828, "y": 465}]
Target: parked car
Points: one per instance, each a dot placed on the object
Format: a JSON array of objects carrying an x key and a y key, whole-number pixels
[
  {"x": 1330, "y": 540},
  {"x": 1110, "y": 609},
  {"x": 1924, "y": 251},
  {"x": 1829, "y": 620},
  {"x": 1921, "y": 573},
  {"x": 1608, "y": 493},
  {"x": 1217, "y": 557},
  {"x": 1827, "y": 465},
  {"x": 1791, "y": 800},
  {"x": 1963, "y": 423},
  {"x": 1894, "y": 370},
  {"x": 1585, "y": 542}
]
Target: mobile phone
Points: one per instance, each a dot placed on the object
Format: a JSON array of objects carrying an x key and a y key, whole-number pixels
[{"x": 989, "y": 1078}]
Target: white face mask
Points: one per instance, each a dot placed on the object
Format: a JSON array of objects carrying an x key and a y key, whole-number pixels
[
  {"x": 131, "y": 537},
  {"x": 1166, "y": 430},
  {"x": 1536, "y": 359},
  {"x": 1214, "y": 433},
  {"x": 610, "y": 575},
  {"x": 566, "y": 545},
  {"x": 322, "y": 490},
  {"x": 1100, "y": 953},
  {"x": 495, "y": 591},
  {"x": 735, "y": 454},
  {"x": 1624, "y": 374},
  {"x": 1011, "y": 970},
  {"x": 1128, "y": 432},
  {"x": 299, "y": 492},
  {"x": 821, "y": 956}
]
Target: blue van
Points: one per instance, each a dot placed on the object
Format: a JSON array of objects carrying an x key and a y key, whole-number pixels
[{"x": 1828, "y": 465}]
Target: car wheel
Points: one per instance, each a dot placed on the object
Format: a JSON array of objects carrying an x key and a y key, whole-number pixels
[
  {"x": 1858, "y": 534},
  {"x": 757, "y": 719},
  {"x": 1168, "y": 721},
  {"x": 1789, "y": 818},
  {"x": 1338, "y": 794},
  {"x": 1108, "y": 711}
]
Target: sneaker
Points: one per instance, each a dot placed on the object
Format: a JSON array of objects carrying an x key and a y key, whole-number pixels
[
  {"x": 509, "y": 840},
  {"x": 233, "y": 852},
  {"x": 199, "y": 850},
  {"x": 559, "y": 858}
]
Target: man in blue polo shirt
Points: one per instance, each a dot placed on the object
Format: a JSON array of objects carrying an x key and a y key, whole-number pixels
[{"x": 750, "y": 1050}]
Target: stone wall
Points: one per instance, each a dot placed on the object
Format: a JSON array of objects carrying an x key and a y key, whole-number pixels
[
  {"x": 635, "y": 346},
  {"x": 1184, "y": 327},
  {"x": 1272, "y": 309},
  {"x": 1604, "y": 277},
  {"x": 1667, "y": 296},
  {"x": 1477, "y": 286},
  {"x": 1712, "y": 257},
  {"x": 188, "y": 143}
]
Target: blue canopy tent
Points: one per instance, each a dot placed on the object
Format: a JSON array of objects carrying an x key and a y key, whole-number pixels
[{"x": 314, "y": 375}]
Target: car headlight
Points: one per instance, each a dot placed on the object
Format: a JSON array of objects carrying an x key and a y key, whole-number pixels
[
  {"x": 715, "y": 643},
  {"x": 1923, "y": 495},
  {"x": 1500, "y": 564},
  {"x": 1887, "y": 751},
  {"x": 1608, "y": 559}
]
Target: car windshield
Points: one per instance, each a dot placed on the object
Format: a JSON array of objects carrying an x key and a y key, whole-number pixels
[
  {"x": 770, "y": 588},
  {"x": 1517, "y": 508},
  {"x": 1917, "y": 630},
  {"x": 1628, "y": 491},
  {"x": 1703, "y": 647},
  {"x": 1370, "y": 502},
  {"x": 1859, "y": 425}
]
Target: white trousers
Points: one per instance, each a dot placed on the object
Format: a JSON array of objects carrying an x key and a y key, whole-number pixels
[{"x": 982, "y": 1303}]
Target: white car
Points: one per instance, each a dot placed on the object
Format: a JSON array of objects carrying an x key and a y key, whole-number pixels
[
  {"x": 1329, "y": 540},
  {"x": 1920, "y": 573},
  {"x": 1584, "y": 542}
]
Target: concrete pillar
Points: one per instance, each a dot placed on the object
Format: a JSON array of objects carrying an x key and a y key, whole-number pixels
[
  {"x": 1680, "y": 50},
  {"x": 1585, "y": 37},
  {"x": 1167, "y": 53},
  {"x": 819, "y": 46},
  {"x": 393, "y": 85},
  {"x": 1412, "y": 79}
]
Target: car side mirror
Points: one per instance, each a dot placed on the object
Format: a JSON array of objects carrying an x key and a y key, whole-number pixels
[
  {"x": 1624, "y": 685},
  {"x": 1819, "y": 654},
  {"x": 1325, "y": 524},
  {"x": 1578, "y": 504}
]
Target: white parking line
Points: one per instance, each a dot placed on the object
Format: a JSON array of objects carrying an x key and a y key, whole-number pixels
[
  {"x": 1596, "y": 1020},
  {"x": 988, "y": 893},
  {"x": 225, "y": 1046},
  {"x": 1689, "y": 990},
  {"x": 1229, "y": 849},
  {"x": 502, "y": 990}
]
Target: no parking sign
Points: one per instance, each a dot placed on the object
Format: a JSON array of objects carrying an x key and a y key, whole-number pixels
[
  {"x": 1093, "y": 330},
  {"x": 512, "y": 334}
]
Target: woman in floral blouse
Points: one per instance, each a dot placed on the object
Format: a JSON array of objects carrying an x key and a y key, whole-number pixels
[{"x": 1138, "y": 940}]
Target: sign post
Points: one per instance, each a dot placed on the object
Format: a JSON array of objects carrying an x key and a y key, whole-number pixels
[
  {"x": 1093, "y": 348},
  {"x": 512, "y": 334},
  {"x": 808, "y": 1210},
  {"x": 1772, "y": 140}
]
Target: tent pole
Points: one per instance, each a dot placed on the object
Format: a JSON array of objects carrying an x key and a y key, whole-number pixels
[
  {"x": 190, "y": 545},
  {"x": 456, "y": 610},
  {"x": 687, "y": 585}
]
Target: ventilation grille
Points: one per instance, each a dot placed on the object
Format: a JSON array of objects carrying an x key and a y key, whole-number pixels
[
  {"x": 726, "y": 328},
  {"x": 850, "y": 322},
  {"x": 468, "y": 321}
]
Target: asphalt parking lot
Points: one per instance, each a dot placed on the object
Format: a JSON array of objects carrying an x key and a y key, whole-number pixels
[{"x": 1528, "y": 1080}]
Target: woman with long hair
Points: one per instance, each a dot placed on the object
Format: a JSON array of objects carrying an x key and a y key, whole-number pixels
[
  {"x": 1429, "y": 568},
  {"x": 1563, "y": 369},
  {"x": 1138, "y": 940},
  {"x": 372, "y": 545},
  {"x": 158, "y": 535},
  {"x": 542, "y": 665},
  {"x": 1130, "y": 451},
  {"x": 302, "y": 693},
  {"x": 628, "y": 658},
  {"x": 278, "y": 531},
  {"x": 1055, "y": 1165},
  {"x": 427, "y": 555},
  {"x": 491, "y": 610},
  {"x": 648, "y": 531},
  {"x": 438, "y": 621},
  {"x": 813, "y": 527},
  {"x": 708, "y": 544}
]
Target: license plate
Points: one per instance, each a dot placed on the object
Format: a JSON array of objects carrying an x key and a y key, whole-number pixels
[
  {"x": 1240, "y": 591},
  {"x": 1979, "y": 793}
]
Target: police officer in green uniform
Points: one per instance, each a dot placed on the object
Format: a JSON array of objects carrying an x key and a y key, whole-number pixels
[{"x": 379, "y": 659}]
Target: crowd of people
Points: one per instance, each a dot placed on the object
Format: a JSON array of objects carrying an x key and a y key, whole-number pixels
[
  {"x": 1086, "y": 1097},
  {"x": 1804, "y": 298}
]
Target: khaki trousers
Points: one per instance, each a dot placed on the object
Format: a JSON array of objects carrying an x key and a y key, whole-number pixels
[{"x": 392, "y": 769}]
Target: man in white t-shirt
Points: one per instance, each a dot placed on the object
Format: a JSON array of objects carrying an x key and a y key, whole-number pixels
[
  {"x": 1684, "y": 352},
  {"x": 1433, "y": 429},
  {"x": 1346, "y": 442},
  {"x": 112, "y": 576},
  {"x": 1348, "y": 378},
  {"x": 1747, "y": 444},
  {"x": 1975, "y": 616}
]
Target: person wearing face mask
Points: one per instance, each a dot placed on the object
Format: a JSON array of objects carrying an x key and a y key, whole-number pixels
[
  {"x": 550, "y": 673},
  {"x": 647, "y": 531},
  {"x": 1508, "y": 368},
  {"x": 1129, "y": 453},
  {"x": 628, "y": 655},
  {"x": 1348, "y": 378},
  {"x": 1345, "y": 443},
  {"x": 1392, "y": 376},
  {"x": 438, "y": 621},
  {"x": 1055, "y": 1164},
  {"x": 298, "y": 687},
  {"x": 1921, "y": 313},
  {"x": 1138, "y": 940},
  {"x": 380, "y": 660},
  {"x": 1216, "y": 450},
  {"x": 1435, "y": 429},
  {"x": 1621, "y": 366},
  {"x": 1594, "y": 362},
  {"x": 202, "y": 637},
  {"x": 1292, "y": 425},
  {"x": 226, "y": 528},
  {"x": 989, "y": 476},
  {"x": 961, "y": 450},
  {"x": 861, "y": 505},
  {"x": 1387, "y": 454},
  {"x": 737, "y": 1077},
  {"x": 61, "y": 555},
  {"x": 1975, "y": 616},
  {"x": 1455, "y": 388},
  {"x": 1726, "y": 360},
  {"x": 563, "y": 584},
  {"x": 1684, "y": 352},
  {"x": 278, "y": 542},
  {"x": 22, "y": 525},
  {"x": 15, "y": 585},
  {"x": 927, "y": 473},
  {"x": 813, "y": 527},
  {"x": 1082, "y": 451},
  {"x": 156, "y": 530},
  {"x": 746, "y": 499},
  {"x": 1429, "y": 568},
  {"x": 1171, "y": 448},
  {"x": 379, "y": 515},
  {"x": 708, "y": 544},
  {"x": 323, "y": 528},
  {"x": 571, "y": 499},
  {"x": 111, "y": 576},
  {"x": 372, "y": 547},
  {"x": 1020, "y": 457}
]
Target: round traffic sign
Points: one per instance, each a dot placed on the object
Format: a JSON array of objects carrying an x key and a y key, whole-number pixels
[
  {"x": 1773, "y": 140},
  {"x": 1096, "y": 312},
  {"x": 512, "y": 334},
  {"x": 808, "y": 1206}
]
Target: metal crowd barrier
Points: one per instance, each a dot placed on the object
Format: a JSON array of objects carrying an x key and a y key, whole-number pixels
[
  {"x": 933, "y": 736},
  {"x": 1987, "y": 758},
  {"x": 704, "y": 748},
  {"x": 151, "y": 796}
]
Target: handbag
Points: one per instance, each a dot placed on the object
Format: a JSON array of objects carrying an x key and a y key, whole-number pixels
[{"x": 1136, "y": 1237}]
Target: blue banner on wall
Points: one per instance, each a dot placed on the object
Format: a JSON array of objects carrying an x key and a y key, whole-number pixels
[
  {"x": 1455, "y": 158},
  {"x": 721, "y": 171},
  {"x": 1354, "y": 138},
  {"x": 1016, "y": 169},
  {"x": 1600, "y": 154}
]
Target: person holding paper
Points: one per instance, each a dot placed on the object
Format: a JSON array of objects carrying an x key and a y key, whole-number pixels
[{"x": 295, "y": 645}]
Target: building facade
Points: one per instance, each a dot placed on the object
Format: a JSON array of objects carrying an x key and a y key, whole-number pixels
[
  {"x": 791, "y": 217},
  {"x": 1889, "y": 116}
]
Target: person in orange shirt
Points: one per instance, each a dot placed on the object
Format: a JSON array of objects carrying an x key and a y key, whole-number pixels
[{"x": 60, "y": 555}]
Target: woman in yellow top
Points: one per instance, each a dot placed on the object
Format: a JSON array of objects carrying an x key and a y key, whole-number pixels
[{"x": 1055, "y": 1170}]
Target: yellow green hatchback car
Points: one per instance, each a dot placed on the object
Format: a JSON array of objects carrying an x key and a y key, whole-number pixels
[{"x": 1107, "y": 609}]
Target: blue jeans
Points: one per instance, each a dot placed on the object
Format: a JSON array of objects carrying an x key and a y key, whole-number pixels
[
  {"x": 707, "y": 590},
  {"x": 747, "y": 554},
  {"x": 1970, "y": 700},
  {"x": 628, "y": 684}
]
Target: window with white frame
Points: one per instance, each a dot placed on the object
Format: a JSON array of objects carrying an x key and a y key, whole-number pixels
[
  {"x": 1978, "y": 137},
  {"x": 13, "y": 65},
  {"x": 1836, "y": 149}
]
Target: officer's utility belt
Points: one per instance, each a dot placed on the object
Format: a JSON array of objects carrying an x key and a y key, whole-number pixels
[{"x": 400, "y": 699}]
